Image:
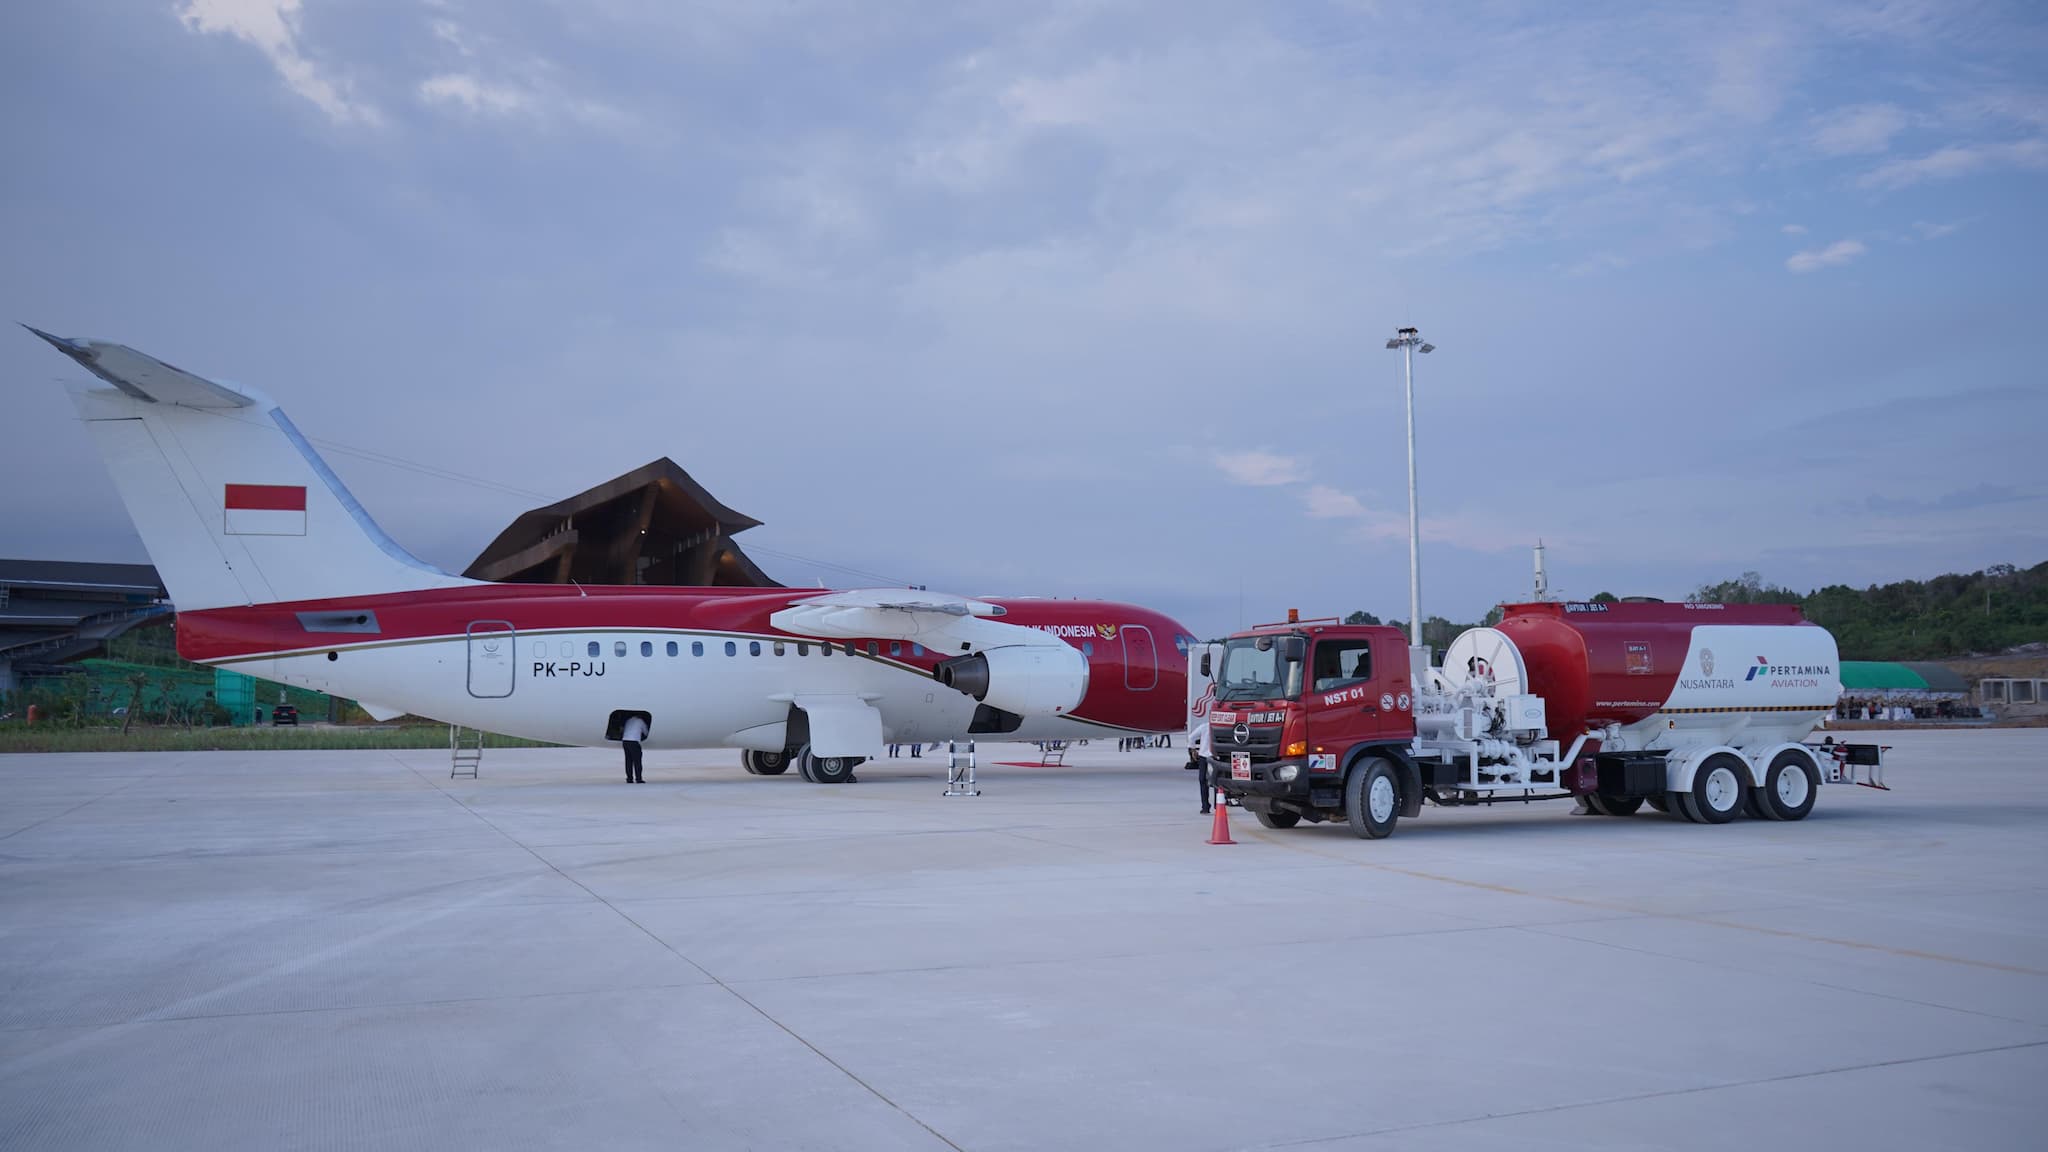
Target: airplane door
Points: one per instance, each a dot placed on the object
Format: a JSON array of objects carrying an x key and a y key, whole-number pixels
[
  {"x": 491, "y": 665},
  {"x": 1141, "y": 658}
]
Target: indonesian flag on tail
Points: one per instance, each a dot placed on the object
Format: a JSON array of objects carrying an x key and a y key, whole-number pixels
[{"x": 266, "y": 510}]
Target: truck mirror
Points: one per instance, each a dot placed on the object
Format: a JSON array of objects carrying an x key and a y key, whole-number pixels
[
  {"x": 1263, "y": 644},
  {"x": 1205, "y": 665},
  {"x": 1293, "y": 649}
]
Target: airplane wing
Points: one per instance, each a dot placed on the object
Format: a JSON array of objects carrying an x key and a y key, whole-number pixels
[
  {"x": 146, "y": 377},
  {"x": 942, "y": 623}
]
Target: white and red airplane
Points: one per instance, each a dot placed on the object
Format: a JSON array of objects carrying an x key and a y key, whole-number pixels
[{"x": 278, "y": 572}]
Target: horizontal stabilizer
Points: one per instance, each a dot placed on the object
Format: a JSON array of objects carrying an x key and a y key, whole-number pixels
[{"x": 145, "y": 377}]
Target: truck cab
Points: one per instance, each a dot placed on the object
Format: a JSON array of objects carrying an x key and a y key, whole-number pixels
[{"x": 1298, "y": 706}]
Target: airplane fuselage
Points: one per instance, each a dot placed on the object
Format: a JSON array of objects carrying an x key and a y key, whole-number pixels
[{"x": 557, "y": 663}]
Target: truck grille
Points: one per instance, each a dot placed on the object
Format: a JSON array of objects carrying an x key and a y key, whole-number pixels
[{"x": 1261, "y": 740}]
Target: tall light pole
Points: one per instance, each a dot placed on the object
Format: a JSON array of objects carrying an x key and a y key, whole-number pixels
[{"x": 1410, "y": 341}]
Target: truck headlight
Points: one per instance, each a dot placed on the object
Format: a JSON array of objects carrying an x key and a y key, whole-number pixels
[{"x": 1286, "y": 773}]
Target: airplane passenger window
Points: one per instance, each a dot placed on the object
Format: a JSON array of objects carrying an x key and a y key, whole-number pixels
[
  {"x": 696, "y": 647},
  {"x": 803, "y": 649},
  {"x": 647, "y": 647},
  {"x": 672, "y": 649},
  {"x": 874, "y": 649},
  {"x": 540, "y": 649},
  {"x": 917, "y": 649},
  {"x": 753, "y": 648},
  {"x": 895, "y": 648},
  {"x": 594, "y": 648},
  {"x": 731, "y": 649},
  {"x": 618, "y": 647},
  {"x": 825, "y": 648},
  {"x": 851, "y": 650},
  {"x": 778, "y": 648}
]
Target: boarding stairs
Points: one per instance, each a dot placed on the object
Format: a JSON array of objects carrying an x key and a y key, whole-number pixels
[{"x": 465, "y": 752}]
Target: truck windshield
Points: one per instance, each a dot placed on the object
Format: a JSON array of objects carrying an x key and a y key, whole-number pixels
[{"x": 1254, "y": 673}]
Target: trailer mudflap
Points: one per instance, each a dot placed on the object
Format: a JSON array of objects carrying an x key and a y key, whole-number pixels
[{"x": 1859, "y": 764}]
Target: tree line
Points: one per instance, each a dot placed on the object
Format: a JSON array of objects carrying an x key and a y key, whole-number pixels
[{"x": 1958, "y": 614}]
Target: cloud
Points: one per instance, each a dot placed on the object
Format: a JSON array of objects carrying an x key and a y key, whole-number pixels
[
  {"x": 1959, "y": 160},
  {"x": 1326, "y": 503},
  {"x": 1981, "y": 496},
  {"x": 1840, "y": 252},
  {"x": 1794, "y": 229},
  {"x": 1859, "y": 129},
  {"x": 272, "y": 26},
  {"x": 489, "y": 82},
  {"x": 474, "y": 95},
  {"x": 1262, "y": 469}
]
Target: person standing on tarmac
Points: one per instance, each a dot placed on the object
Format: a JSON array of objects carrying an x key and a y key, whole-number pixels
[
  {"x": 634, "y": 731},
  {"x": 1199, "y": 761}
]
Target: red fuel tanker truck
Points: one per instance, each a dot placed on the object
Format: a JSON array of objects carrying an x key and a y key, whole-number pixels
[{"x": 1699, "y": 710}]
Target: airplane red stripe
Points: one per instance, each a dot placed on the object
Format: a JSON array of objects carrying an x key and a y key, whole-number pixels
[
  {"x": 244, "y": 633},
  {"x": 267, "y": 497}
]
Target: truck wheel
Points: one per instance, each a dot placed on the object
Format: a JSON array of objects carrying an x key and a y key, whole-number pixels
[
  {"x": 1278, "y": 819},
  {"x": 1615, "y": 805},
  {"x": 1789, "y": 786},
  {"x": 1682, "y": 807},
  {"x": 1717, "y": 789},
  {"x": 1657, "y": 802},
  {"x": 1372, "y": 799}
]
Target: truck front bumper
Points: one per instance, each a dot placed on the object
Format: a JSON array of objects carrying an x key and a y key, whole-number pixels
[{"x": 1288, "y": 782}]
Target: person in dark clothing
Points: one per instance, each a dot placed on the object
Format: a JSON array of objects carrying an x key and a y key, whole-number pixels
[
  {"x": 1200, "y": 764},
  {"x": 630, "y": 736}
]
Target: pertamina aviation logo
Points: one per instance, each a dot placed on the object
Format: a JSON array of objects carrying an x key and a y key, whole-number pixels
[{"x": 1787, "y": 675}]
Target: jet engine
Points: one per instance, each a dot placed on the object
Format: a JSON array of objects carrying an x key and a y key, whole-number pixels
[{"x": 1038, "y": 680}]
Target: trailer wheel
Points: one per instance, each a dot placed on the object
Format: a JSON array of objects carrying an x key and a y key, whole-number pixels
[
  {"x": 1372, "y": 799},
  {"x": 1789, "y": 786},
  {"x": 1278, "y": 820},
  {"x": 1717, "y": 789}
]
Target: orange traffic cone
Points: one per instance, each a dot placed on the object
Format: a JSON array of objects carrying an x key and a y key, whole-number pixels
[{"x": 1219, "y": 828}]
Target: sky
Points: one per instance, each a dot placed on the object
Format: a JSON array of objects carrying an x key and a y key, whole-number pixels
[{"x": 1075, "y": 298}]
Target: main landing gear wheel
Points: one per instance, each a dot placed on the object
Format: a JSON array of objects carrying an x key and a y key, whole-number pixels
[
  {"x": 1789, "y": 786},
  {"x": 765, "y": 763},
  {"x": 1717, "y": 790},
  {"x": 1372, "y": 799},
  {"x": 1278, "y": 820},
  {"x": 826, "y": 769}
]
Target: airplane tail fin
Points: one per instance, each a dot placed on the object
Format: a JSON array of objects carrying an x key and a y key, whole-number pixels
[{"x": 233, "y": 504}]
